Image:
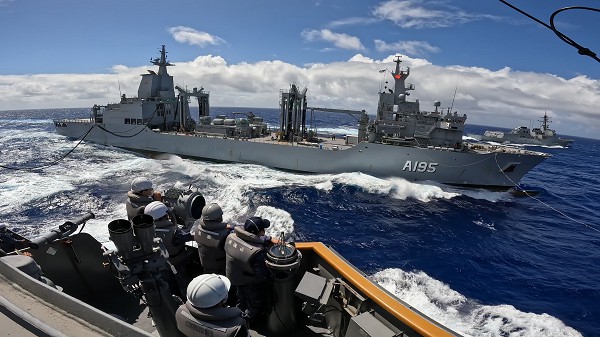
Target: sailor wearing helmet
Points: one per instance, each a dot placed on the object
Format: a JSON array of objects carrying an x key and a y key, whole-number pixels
[
  {"x": 174, "y": 240},
  {"x": 141, "y": 194},
  {"x": 246, "y": 266},
  {"x": 205, "y": 313},
  {"x": 210, "y": 236}
]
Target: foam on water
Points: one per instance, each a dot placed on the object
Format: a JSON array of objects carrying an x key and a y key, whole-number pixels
[
  {"x": 281, "y": 221},
  {"x": 339, "y": 131},
  {"x": 484, "y": 194},
  {"x": 255, "y": 176},
  {"x": 396, "y": 188},
  {"x": 465, "y": 316},
  {"x": 16, "y": 191}
]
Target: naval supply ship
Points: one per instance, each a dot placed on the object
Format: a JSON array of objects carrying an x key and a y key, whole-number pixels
[
  {"x": 401, "y": 141},
  {"x": 543, "y": 135}
]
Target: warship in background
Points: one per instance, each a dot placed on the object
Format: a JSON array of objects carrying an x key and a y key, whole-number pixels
[
  {"x": 524, "y": 135},
  {"x": 402, "y": 141}
]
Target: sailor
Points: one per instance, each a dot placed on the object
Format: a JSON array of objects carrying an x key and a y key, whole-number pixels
[
  {"x": 11, "y": 241},
  {"x": 210, "y": 235},
  {"x": 7, "y": 242},
  {"x": 174, "y": 240},
  {"x": 205, "y": 313},
  {"x": 140, "y": 195},
  {"x": 246, "y": 267}
]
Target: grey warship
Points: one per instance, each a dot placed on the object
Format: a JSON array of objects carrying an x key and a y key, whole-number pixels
[
  {"x": 401, "y": 141},
  {"x": 543, "y": 135}
]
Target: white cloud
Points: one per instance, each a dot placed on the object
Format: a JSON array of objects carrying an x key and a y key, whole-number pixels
[
  {"x": 343, "y": 41},
  {"x": 503, "y": 97},
  {"x": 424, "y": 14},
  {"x": 191, "y": 36},
  {"x": 413, "y": 48},
  {"x": 351, "y": 22}
]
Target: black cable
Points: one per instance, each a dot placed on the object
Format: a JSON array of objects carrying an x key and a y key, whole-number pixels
[
  {"x": 33, "y": 168},
  {"x": 580, "y": 49},
  {"x": 53, "y": 162}
]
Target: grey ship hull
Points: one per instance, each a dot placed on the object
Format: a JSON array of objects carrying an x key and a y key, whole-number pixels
[
  {"x": 496, "y": 170},
  {"x": 515, "y": 139}
]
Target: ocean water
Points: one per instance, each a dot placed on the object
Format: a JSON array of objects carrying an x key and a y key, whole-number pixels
[{"x": 483, "y": 263}]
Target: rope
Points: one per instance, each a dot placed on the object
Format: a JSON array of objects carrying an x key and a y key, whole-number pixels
[
  {"x": 545, "y": 204},
  {"x": 33, "y": 168}
]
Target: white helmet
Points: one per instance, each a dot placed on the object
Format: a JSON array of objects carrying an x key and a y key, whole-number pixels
[
  {"x": 156, "y": 209},
  {"x": 212, "y": 212},
  {"x": 140, "y": 184},
  {"x": 208, "y": 290}
]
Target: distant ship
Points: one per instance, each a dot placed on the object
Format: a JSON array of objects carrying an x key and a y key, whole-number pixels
[
  {"x": 524, "y": 135},
  {"x": 401, "y": 141}
]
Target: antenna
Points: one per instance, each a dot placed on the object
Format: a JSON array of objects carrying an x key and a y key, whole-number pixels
[
  {"x": 119, "y": 82},
  {"x": 455, "y": 89},
  {"x": 382, "y": 72}
]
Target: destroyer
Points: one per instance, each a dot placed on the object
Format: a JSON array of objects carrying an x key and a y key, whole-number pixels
[
  {"x": 524, "y": 135},
  {"x": 402, "y": 141}
]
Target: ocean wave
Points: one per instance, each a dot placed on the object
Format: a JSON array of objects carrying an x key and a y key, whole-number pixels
[{"x": 466, "y": 316}]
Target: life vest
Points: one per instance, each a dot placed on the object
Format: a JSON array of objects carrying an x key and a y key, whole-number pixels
[
  {"x": 213, "y": 322},
  {"x": 240, "y": 247},
  {"x": 135, "y": 204},
  {"x": 165, "y": 230},
  {"x": 210, "y": 237}
]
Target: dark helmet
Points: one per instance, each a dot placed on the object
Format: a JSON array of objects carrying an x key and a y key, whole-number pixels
[
  {"x": 255, "y": 224},
  {"x": 212, "y": 212}
]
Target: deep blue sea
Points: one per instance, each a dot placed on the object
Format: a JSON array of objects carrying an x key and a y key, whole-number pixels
[{"x": 483, "y": 263}]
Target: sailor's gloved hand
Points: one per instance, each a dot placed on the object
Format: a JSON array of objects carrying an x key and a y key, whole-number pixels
[{"x": 180, "y": 237}]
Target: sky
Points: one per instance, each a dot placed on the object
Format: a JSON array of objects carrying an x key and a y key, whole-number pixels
[{"x": 480, "y": 58}]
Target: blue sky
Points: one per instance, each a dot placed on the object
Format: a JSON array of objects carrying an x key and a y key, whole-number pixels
[{"x": 506, "y": 68}]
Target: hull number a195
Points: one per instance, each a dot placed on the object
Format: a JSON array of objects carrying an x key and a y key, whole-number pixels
[{"x": 419, "y": 166}]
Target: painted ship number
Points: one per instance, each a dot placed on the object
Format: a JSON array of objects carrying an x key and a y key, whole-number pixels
[{"x": 420, "y": 166}]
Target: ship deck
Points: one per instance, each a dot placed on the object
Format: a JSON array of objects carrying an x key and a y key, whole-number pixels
[
  {"x": 327, "y": 143},
  {"x": 339, "y": 144}
]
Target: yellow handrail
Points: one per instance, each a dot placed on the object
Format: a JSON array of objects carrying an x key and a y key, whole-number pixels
[{"x": 383, "y": 299}]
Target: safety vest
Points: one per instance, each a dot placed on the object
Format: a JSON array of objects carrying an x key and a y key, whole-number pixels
[
  {"x": 210, "y": 237},
  {"x": 240, "y": 248},
  {"x": 165, "y": 230},
  {"x": 135, "y": 204},
  {"x": 213, "y": 322}
]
